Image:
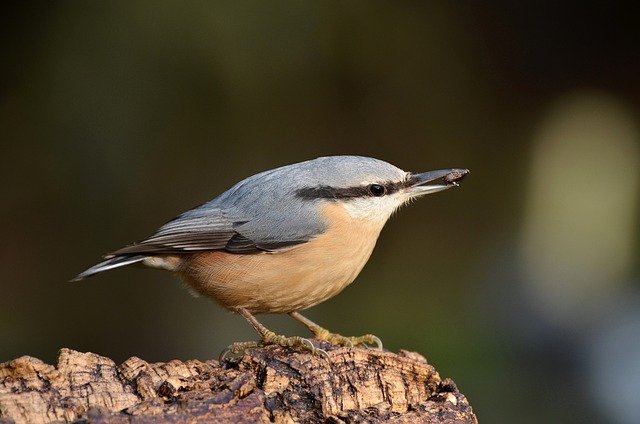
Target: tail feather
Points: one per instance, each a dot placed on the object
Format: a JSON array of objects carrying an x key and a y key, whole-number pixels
[{"x": 110, "y": 263}]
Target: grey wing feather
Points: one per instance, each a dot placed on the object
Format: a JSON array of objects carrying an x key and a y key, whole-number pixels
[
  {"x": 241, "y": 244},
  {"x": 200, "y": 229},
  {"x": 111, "y": 263},
  {"x": 208, "y": 228}
]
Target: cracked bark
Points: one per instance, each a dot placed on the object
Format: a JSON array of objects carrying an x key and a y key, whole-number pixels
[{"x": 265, "y": 385}]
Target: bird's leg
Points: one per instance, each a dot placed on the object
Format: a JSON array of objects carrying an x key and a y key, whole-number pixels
[
  {"x": 334, "y": 338},
  {"x": 269, "y": 337}
]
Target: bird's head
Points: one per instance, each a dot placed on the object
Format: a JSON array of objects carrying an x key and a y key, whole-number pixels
[{"x": 367, "y": 188}]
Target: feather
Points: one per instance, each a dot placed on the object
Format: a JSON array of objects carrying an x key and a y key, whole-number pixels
[{"x": 110, "y": 263}]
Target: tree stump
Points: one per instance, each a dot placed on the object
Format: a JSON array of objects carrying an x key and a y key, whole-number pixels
[{"x": 264, "y": 385}]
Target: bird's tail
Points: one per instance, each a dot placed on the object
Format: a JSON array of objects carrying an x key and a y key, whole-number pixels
[{"x": 115, "y": 262}]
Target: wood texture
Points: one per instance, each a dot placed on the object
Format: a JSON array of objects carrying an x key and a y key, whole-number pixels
[{"x": 263, "y": 386}]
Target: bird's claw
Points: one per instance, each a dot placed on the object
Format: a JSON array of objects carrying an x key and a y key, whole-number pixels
[
  {"x": 238, "y": 347},
  {"x": 295, "y": 342},
  {"x": 335, "y": 338},
  {"x": 364, "y": 341}
]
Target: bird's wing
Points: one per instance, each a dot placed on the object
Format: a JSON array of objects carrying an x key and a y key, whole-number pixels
[{"x": 207, "y": 229}]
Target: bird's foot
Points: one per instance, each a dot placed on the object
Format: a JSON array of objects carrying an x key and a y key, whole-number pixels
[
  {"x": 294, "y": 342},
  {"x": 270, "y": 338},
  {"x": 335, "y": 338},
  {"x": 340, "y": 340},
  {"x": 238, "y": 347}
]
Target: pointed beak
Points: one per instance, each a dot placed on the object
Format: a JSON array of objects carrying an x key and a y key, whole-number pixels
[{"x": 444, "y": 178}]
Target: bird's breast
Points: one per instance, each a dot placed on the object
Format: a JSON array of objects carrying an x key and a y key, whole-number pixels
[{"x": 290, "y": 280}]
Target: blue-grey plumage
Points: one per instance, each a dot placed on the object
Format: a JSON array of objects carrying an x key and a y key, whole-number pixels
[
  {"x": 284, "y": 239},
  {"x": 266, "y": 207}
]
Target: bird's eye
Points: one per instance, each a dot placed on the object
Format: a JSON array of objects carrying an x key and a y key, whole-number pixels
[{"x": 377, "y": 190}]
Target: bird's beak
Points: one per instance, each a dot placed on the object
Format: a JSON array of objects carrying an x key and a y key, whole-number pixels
[{"x": 448, "y": 178}]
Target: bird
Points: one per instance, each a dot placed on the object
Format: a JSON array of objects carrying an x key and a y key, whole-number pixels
[{"x": 284, "y": 240}]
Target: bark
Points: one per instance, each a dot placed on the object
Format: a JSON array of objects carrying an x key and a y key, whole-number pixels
[{"x": 263, "y": 386}]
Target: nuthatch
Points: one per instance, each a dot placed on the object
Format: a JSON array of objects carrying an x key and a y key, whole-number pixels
[{"x": 284, "y": 240}]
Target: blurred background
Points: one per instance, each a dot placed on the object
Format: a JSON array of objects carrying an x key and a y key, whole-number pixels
[{"x": 522, "y": 285}]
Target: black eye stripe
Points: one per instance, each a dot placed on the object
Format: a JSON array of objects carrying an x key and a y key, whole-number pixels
[{"x": 335, "y": 193}]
